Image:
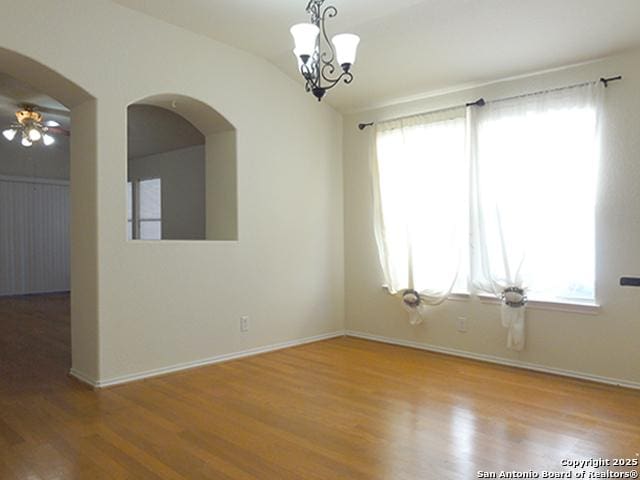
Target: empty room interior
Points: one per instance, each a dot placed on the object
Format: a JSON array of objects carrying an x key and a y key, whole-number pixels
[{"x": 319, "y": 239}]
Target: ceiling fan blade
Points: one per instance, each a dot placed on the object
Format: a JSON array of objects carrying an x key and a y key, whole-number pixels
[
  {"x": 8, "y": 101},
  {"x": 41, "y": 109},
  {"x": 59, "y": 131}
]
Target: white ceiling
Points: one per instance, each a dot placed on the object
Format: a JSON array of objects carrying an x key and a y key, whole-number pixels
[{"x": 416, "y": 46}]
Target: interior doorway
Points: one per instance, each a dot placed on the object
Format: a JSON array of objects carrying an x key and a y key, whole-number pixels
[
  {"x": 35, "y": 211},
  {"x": 48, "y": 248}
]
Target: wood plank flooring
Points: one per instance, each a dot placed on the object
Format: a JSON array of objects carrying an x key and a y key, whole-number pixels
[{"x": 338, "y": 409}]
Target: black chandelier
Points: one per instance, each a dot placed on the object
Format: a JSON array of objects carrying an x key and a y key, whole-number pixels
[{"x": 316, "y": 64}]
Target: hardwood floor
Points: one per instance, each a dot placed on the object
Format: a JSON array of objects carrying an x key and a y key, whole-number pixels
[
  {"x": 338, "y": 409},
  {"x": 35, "y": 344}
]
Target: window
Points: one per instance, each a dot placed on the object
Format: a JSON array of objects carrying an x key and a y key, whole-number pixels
[
  {"x": 421, "y": 166},
  {"x": 144, "y": 207},
  {"x": 536, "y": 176},
  {"x": 515, "y": 208}
]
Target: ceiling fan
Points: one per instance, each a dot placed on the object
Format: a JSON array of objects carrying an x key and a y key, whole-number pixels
[{"x": 31, "y": 128}]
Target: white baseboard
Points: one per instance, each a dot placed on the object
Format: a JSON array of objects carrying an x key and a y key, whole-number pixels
[
  {"x": 199, "y": 363},
  {"x": 366, "y": 336},
  {"x": 82, "y": 377},
  {"x": 493, "y": 359}
]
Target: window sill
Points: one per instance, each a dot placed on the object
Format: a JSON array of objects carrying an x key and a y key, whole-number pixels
[{"x": 585, "y": 308}]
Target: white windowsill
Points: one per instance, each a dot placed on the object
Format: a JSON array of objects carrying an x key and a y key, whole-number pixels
[
  {"x": 554, "y": 305},
  {"x": 585, "y": 308}
]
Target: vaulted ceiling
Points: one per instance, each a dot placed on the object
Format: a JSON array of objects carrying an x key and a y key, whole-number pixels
[{"x": 415, "y": 46}]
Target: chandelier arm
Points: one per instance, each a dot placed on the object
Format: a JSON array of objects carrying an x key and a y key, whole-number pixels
[
  {"x": 309, "y": 85},
  {"x": 327, "y": 71},
  {"x": 311, "y": 79},
  {"x": 308, "y": 74},
  {"x": 345, "y": 77},
  {"x": 305, "y": 71},
  {"x": 327, "y": 57}
]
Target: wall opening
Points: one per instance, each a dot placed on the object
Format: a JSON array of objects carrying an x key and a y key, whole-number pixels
[
  {"x": 181, "y": 171},
  {"x": 46, "y": 221}
]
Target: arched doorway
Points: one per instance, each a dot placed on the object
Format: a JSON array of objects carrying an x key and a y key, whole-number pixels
[{"x": 81, "y": 109}]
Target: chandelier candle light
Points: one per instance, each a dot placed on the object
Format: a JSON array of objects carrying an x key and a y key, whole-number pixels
[{"x": 317, "y": 66}]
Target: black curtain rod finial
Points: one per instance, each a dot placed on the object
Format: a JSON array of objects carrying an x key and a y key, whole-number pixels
[
  {"x": 478, "y": 103},
  {"x": 610, "y": 79},
  {"x": 362, "y": 126}
]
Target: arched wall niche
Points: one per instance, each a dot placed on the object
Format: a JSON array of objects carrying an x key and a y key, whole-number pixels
[
  {"x": 181, "y": 171},
  {"x": 84, "y": 242}
]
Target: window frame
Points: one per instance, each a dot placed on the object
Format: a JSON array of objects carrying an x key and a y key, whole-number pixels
[
  {"x": 135, "y": 220},
  {"x": 461, "y": 290}
]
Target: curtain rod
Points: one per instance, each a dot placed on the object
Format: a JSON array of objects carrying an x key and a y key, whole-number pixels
[{"x": 481, "y": 102}]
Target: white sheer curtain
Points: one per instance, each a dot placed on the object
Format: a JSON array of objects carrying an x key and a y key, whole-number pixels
[
  {"x": 532, "y": 197},
  {"x": 419, "y": 205}
]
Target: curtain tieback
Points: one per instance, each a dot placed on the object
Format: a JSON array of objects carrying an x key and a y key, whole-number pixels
[
  {"x": 411, "y": 299},
  {"x": 412, "y": 303},
  {"x": 514, "y": 297}
]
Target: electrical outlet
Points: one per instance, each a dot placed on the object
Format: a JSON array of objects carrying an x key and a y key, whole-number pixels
[
  {"x": 244, "y": 323},
  {"x": 462, "y": 324}
]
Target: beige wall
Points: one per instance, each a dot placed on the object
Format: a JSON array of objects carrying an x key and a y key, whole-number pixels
[
  {"x": 605, "y": 344},
  {"x": 182, "y": 175},
  {"x": 151, "y": 305},
  {"x": 222, "y": 186}
]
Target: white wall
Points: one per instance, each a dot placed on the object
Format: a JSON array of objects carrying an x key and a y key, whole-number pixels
[
  {"x": 182, "y": 175},
  {"x": 605, "y": 344},
  {"x": 150, "y": 305}
]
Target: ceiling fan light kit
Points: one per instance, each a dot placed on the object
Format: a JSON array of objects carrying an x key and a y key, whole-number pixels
[
  {"x": 29, "y": 124},
  {"x": 317, "y": 56}
]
